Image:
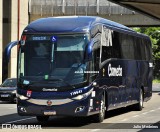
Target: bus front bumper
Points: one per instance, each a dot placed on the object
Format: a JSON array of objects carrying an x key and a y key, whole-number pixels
[{"x": 61, "y": 108}]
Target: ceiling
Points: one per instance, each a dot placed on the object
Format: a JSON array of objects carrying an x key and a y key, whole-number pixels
[{"x": 147, "y": 7}]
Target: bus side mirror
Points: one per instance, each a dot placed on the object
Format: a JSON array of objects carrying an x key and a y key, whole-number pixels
[
  {"x": 7, "y": 51},
  {"x": 89, "y": 51}
]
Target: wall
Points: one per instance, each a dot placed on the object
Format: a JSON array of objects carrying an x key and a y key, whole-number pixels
[
  {"x": 9, "y": 29},
  {"x": 23, "y": 21},
  {"x": 102, "y": 8},
  {"x": 1, "y": 13}
]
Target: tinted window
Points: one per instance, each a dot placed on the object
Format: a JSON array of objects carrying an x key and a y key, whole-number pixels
[
  {"x": 142, "y": 47},
  {"x": 96, "y": 51},
  {"x": 137, "y": 48},
  {"x": 148, "y": 50},
  {"x": 9, "y": 83},
  {"x": 112, "y": 50},
  {"x": 127, "y": 46},
  {"x": 116, "y": 47}
]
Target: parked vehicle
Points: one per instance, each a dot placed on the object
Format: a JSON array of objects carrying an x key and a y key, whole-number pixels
[{"x": 8, "y": 90}]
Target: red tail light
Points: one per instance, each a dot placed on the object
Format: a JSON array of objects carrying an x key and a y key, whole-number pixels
[{"x": 24, "y": 37}]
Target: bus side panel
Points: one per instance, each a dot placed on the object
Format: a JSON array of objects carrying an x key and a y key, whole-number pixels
[
  {"x": 145, "y": 77},
  {"x": 123, "y": 88},
  {"x": 150, "y": 78}
]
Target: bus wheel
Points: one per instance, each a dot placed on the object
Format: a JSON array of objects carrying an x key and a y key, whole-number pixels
[
  {"x": 101, "y": 115},
  {"x": 42, "y": 118},
  {"x": 139, "y": 106}
]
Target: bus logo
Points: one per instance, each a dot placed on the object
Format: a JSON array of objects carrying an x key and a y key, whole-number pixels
[{"x": 49, "y": 102}]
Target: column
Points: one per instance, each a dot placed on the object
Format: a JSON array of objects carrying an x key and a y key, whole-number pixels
[{"x": 1, "y": 45}]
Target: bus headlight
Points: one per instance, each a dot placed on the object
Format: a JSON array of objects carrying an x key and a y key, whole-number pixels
[
  {"x": 83, "y": 96},
  {"x": 22, "y": 97}
]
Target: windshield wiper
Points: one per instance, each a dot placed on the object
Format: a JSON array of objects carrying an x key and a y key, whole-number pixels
[
  {"x": 29, "y": 84},
  {"x": 62, "y": 80},
  {"x": 48, "y": 80}
]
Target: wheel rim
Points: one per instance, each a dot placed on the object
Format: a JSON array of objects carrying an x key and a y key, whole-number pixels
[
  {"x": 15, "y": 100},
  {"x": 102, "y": 111},
  {"x": 141, "y": 99}
]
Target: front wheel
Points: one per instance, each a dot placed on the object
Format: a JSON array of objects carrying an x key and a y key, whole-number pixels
[
  {"x": 42, "y": 118},
  {"x": 101, "y": 115},
  {"x": 139, "y": 106}
]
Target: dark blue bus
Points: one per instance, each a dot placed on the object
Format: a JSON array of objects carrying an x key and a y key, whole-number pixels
[{"x": 81, "y": 66}]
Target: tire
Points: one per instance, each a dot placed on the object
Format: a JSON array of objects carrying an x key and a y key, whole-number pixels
[
  {"x": 139, "y": 106},
  {"x": 42, "y": 118},
  {"x": 101, "y": 115},
  {"x": 15, "y": 100}
]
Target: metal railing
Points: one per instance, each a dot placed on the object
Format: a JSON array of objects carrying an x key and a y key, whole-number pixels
[{"x": 75, "y": 7}]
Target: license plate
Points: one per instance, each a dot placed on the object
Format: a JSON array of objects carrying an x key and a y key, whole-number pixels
[
  {"x": 49, "y": 112},
  {"x": 4, "y": 95}
]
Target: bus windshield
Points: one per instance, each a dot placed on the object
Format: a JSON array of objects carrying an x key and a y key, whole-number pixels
[{"x": 49, "y": 57}]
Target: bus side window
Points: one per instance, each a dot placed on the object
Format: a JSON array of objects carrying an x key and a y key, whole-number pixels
[
  {"x": 114, "y": 50},
  {"x": 127, "y": 46},
  {"x": 147, "y": 50},
  {"x": 96, "y": 51},
  {"x": 106, "y": 44},
  {"x": 96, "y": 58},
  {"x": 106, "y": 53},
  {"x": 116, "y": 46},
  {"x": 94, "y": 64},
  {"x": 143, "y": 49},
  {"x": 149, "y": 47},
  {"x": 137, "y": 48}
]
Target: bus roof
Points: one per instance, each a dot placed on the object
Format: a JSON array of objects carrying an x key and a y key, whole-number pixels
[{"x": 65, "y": 24}]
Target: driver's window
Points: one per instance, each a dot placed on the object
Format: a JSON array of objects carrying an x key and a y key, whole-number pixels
[
  {"x": 94, "y": 66},
  {"x": 96, "y": 59}
]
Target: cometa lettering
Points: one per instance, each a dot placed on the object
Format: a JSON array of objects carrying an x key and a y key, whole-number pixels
[
  {"x": 54, "y": 89},
  {"x": 114, "y": 71}
]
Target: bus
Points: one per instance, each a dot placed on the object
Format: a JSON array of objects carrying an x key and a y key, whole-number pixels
[{"x": 81, "y": 66}]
